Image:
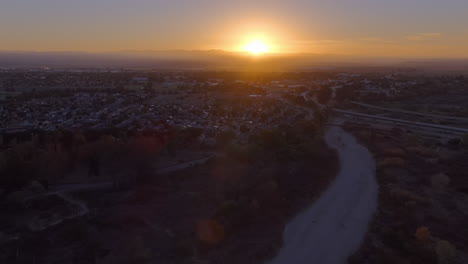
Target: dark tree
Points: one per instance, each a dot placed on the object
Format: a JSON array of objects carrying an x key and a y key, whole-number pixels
[{"x": 324, "y": 95}]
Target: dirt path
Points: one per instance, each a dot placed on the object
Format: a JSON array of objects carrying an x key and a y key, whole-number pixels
[
  {"x": 334, "y": 227},
  {"x": 185, "y": 165}
]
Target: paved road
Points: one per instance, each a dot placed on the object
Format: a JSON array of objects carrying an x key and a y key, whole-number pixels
[
  {"x": 335, "y": 225},
  {"x": 463, "y": 119},
  {"x": 404, "y": 122}
]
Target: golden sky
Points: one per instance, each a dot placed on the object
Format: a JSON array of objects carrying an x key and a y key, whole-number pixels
[{"x": 405, "y": 28}]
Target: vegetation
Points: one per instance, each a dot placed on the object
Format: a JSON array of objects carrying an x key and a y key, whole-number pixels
[
  {"x": 47, "y": 157},
  {"x": 324, "y": 94},
  {"x": 418, "y": 188}
]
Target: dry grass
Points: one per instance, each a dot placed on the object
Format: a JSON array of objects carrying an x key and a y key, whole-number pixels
[
  {"x": 440, "y": 181},
  {"x": 391, "y": 162},
  {"x": 394, "y": 152},
  {"x": 422, "y": 151}
]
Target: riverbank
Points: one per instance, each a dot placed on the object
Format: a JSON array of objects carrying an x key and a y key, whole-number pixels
[
  {"x": 422, "y": 202},
  {"x": 335, "y": 225}
]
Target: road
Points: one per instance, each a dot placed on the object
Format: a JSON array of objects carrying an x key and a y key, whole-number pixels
[
  {"x": 404, "y": 122},
  {"x": 335, "y": 225},
  {"x": 185, "y": 165},
  {"x": 442, "y": 117}
]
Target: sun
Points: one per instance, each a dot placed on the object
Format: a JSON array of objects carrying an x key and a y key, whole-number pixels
[{"x": 256, "y": 47}]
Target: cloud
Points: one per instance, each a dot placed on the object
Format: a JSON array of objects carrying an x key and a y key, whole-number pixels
[{"x": 423, "y": 36}]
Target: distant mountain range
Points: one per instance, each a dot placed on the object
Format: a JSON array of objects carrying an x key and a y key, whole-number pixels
[{"x": 214, "y": 59}]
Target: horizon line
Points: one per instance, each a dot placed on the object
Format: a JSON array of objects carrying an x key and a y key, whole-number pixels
[{"x": 244, "y": 53}]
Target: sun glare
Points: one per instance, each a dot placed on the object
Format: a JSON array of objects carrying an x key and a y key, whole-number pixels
[{"x": 256, "y": 47}]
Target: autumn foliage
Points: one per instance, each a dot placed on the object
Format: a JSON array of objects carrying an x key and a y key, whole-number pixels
[
  {"x": 210, "y": 231},
  {"x": 423, "y": 234}
]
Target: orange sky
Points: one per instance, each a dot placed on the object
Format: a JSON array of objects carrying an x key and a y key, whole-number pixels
[{"x": 416, "y": 28}]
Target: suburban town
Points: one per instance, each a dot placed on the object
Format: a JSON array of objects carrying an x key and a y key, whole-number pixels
[
  {"x": 234, "y": 132},
  {"x": 85, "y": 153}
]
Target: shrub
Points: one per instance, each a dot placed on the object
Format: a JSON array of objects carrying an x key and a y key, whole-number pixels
[
  {"x": 18, "y": 197},
  {"x": 391, "y": 162},
  {"x": 440, "y": 181},
  {"x": 210, "y": 231},
  {"x": 423, "y": 234},
  {"x": 422, "y": 151},
  {"x": 140, "y": 252},
  {"x": 394, "y": 152},
  {"x": 405, "y": 195},
  {"x": 324, "y": 94},
  {"x": 225, "y": 138},
  {"x": 445, "y": 251},
  {"x": 465, "y": 140}
]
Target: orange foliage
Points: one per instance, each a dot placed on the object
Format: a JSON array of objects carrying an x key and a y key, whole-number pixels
[
  {"x": 422, "y": 151},
  {"x": 210, "y": 231},
  {"x": 394, "y": 152},
  {"x": 146, "y": 145},
  {"x": 422, "y": 234},
  {"x": 391, "y": 163}
]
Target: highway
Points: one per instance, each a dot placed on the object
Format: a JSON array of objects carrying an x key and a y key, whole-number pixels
[
  {"x": 401, "y": 121},
  {"x": 411, "y": 112}
]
